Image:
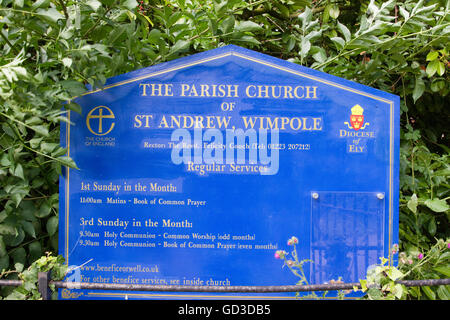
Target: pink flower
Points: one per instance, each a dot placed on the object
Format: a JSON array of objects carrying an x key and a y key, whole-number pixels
[
  {"x": 420, "y": 256},
  {"x": 280, "y": 254},
  {"x": 448, "y": 245},
  {"x": 292, "y": 241},
  {"x": 395, "y": 249}
]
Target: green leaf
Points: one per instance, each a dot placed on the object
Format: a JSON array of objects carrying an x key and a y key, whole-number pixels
[
  {"x": 398, "y": 291},
  {"x": 344, "y": 30},
  {"x": 363, "y": 285},
  {"x": 419, "y": 88},
  {"x": 52, "y": 225},
  {"x": 432, "y": 55},
  {"x": 18, "y": 3},
  {"x": 340, "y": 43},
  {"x": 394, "y": 274},
  {"x": 7, "y": 229},
  {"x": 68, "y": 162},
  {"x": 374, "y": 294},
  {"x": 432, "y": 67},
  {"x": 3, "y": 215},
  {"x": 305, "y": 17},
  {"x": 173, "y": 19},
  {"x": 155, "y": 36},
  {"x": 228, "y": 24},
  {"x": 180, "y": 45},
  {"x": 247, "y": 38},
  {"x": 437, "y": 205},
  {"x": 18, "y": 172},
  {"x": 40, "y": 4},
  {"x": 28, "y": 227},
  {"x": 432, "y": 226},
  {"x": 443, "y": 293},
  {"x": 220, "y": 7},
  {"x": 3, "y": 251},
  {"x": 305, "y": 47},
  {"x": 412, "y": 203},
  {"x": 35, "y": 250},
  {"x": 51, "y": 14},
  {"x": 16, "y": 239},
  {"x": 59, "y": 151},
  {"x": 443, "y": 172},
  {"x": 291, "y": 43},
  {"x": 130, "y": 4},
  {"x": 326, "y": 14},
  {"x": 67, "y": 62},
  {"x": 334, "y": 11},
  {"x": 319, "y": 54},
  {"x": 41, "y": 129},
  {"x": 438, "y": 85},
  {"x": 94, "y": 4},
  {"x": 73, "y": 106},
  {"x": 404, "y": 12},
  {"x": 283, "y": 9},
  {"x": 43, "y": 211},
  {"x": 247, "y": 26},
  {"x": 440, "y": 69},
  {"x": 18, "y": 192},
  {"x": 19, "y": 255},
  {"x": 429, "y": 293},
  {"x": 47, "y": 147},
  {"x": 18, "y": 266},
  {"x": 4, "y": 262},
  {"x": 74, "y": 88},
  {"x": 445, "y": 270}
]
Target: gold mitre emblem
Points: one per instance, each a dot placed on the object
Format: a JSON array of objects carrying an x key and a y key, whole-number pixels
[{"x": 357, "y": 110}]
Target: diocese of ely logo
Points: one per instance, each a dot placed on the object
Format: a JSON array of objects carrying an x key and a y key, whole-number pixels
[
  {"x": 357, "y": 118},
  {"x": 98, "y": 120}
]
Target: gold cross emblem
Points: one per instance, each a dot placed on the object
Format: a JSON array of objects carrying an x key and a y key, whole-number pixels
[{"x": 100, "y": 116}]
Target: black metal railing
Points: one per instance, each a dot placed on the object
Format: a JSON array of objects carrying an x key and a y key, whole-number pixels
[{"x": 44, "y": 282}]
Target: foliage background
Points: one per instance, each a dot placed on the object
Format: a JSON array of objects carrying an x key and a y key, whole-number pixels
[{"x": 49, "y": 50}]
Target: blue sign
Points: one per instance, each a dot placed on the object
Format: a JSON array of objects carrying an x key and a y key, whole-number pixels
[{"x": 198, "y": 170}]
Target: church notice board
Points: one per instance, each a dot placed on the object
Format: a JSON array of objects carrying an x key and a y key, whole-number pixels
[{"x": 196, "y": 171}]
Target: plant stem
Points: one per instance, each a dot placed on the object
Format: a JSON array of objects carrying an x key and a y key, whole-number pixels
[
  {"x": 63, "y": 5},
  {"x": 8, "y": 42}
]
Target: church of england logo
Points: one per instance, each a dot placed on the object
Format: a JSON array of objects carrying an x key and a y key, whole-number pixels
[{"x": 100, "y": 121}]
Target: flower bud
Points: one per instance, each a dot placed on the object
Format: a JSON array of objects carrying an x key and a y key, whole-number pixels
[
  {"x": 292, "y": 241},
  {"x": 395, "y": 249},
  {"x": 280, "y": 254}
]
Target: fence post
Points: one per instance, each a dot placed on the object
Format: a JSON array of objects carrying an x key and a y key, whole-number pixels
[{"x": 44, "y": 290}]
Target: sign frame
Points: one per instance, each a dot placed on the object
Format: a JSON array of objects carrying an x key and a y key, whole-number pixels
[{"x": 391, "y": 102}]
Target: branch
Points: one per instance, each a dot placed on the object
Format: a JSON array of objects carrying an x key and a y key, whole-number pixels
[
  {"x": 63, "y": 5},
  {"x": 8, "y": 42},
  {"x": 96, "y": 23}
]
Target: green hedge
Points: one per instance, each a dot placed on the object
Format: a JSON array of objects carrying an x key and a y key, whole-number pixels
[{"x": 49, "y": 50}]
